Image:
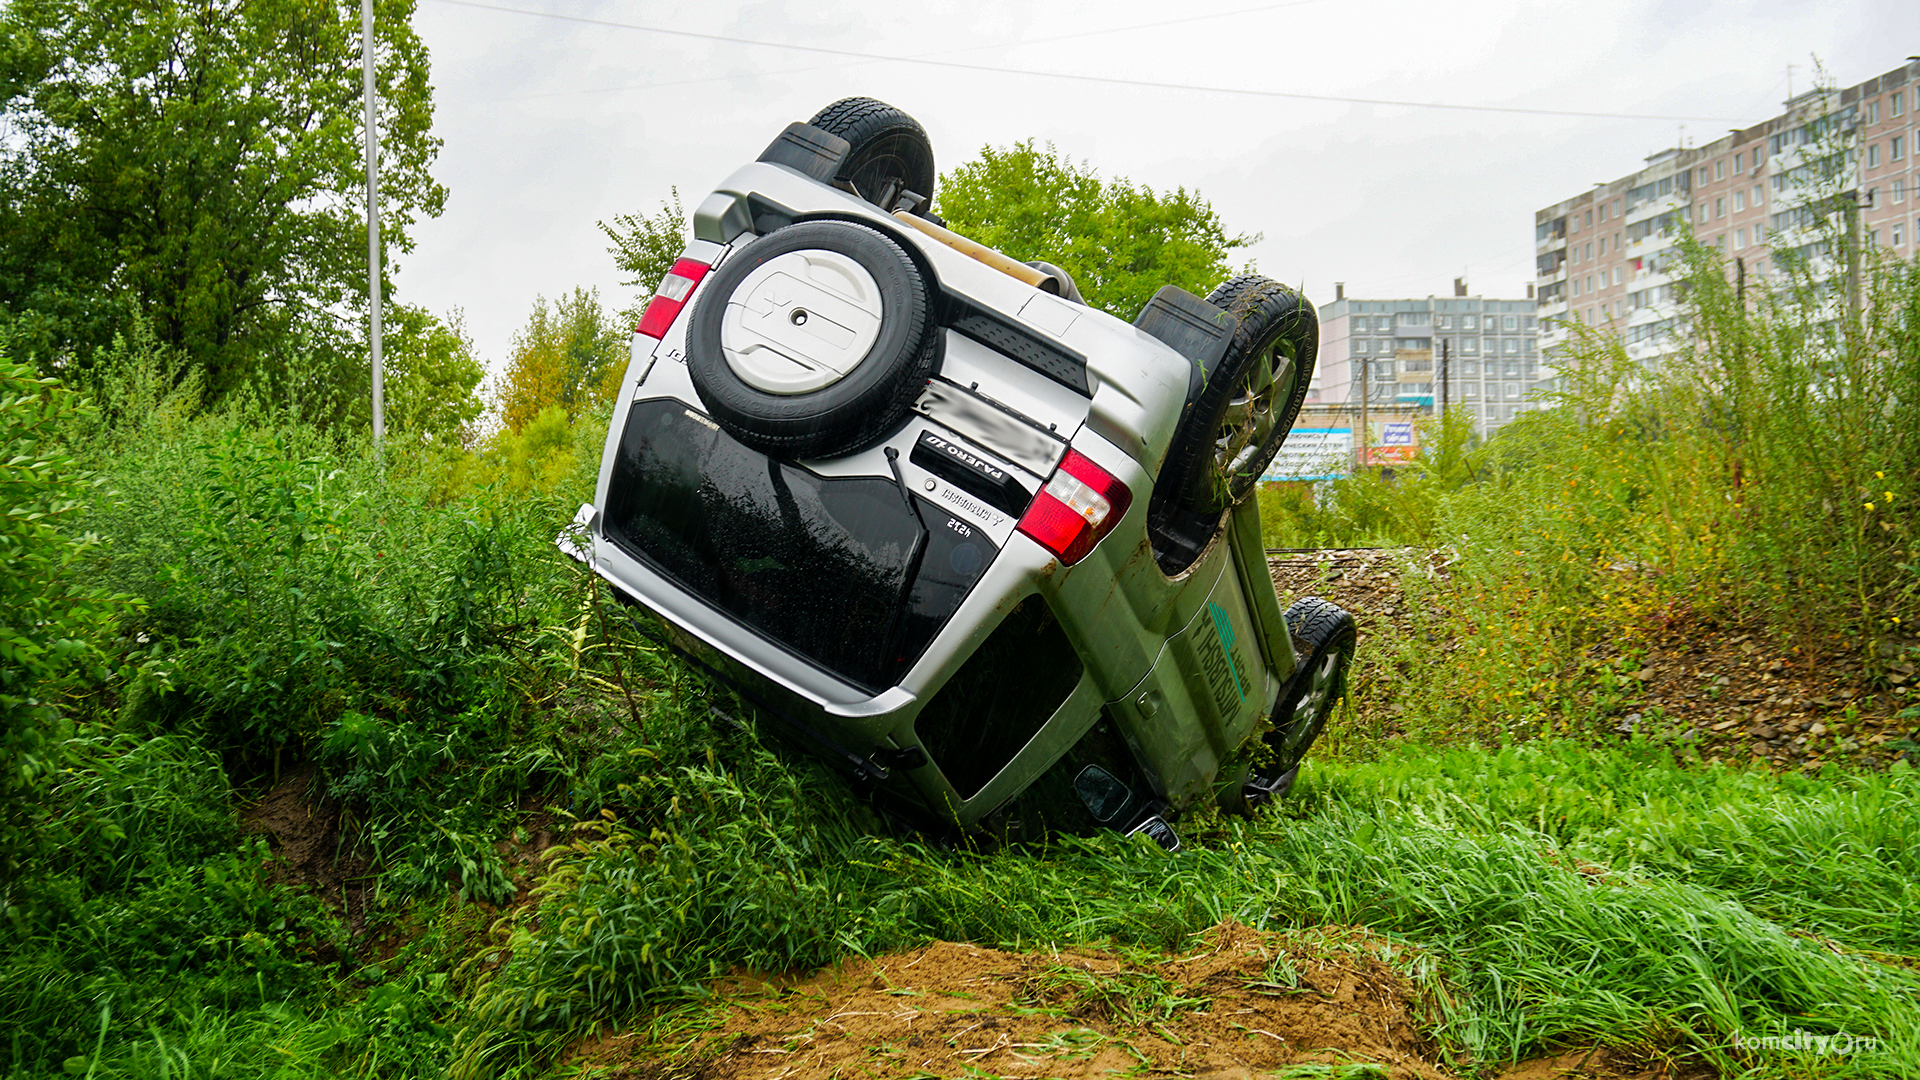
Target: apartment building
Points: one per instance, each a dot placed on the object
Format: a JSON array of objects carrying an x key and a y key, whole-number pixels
[
  {"x": 1607, "y": 257},
  {"x": 1395, "y": 349}
]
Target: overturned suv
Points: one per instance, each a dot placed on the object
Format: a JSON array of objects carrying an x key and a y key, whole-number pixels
[{"x": 987, "y": 549}]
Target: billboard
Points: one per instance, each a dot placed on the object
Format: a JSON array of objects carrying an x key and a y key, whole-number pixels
[
  {"x": 1396, "y": 433},
  {"x": 1312, "y": 454}
]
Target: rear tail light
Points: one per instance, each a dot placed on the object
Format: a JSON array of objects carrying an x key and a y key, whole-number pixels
[
  {"x": 670, "y": 297},
  {"x": 1080, "y": 504}
]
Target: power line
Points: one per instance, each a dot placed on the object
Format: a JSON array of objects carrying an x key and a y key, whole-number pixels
[
  {"x": 1099, "y": 79},
  {"x": 919, "y": 56}
]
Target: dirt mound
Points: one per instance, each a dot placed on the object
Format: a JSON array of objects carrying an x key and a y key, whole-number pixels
[
  {"x": 1327, "y": 1003},
  {"x": 1724, "y": 686},
  {"x": 303, "y": 826}
]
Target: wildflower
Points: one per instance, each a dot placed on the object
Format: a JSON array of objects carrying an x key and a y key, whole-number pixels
[{"x": 1869, "y": 506}]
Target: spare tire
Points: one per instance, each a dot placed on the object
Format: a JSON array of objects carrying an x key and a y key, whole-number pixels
[
  {"x": 1224, "y": 444},
  {"x": 813, "y": 340},
  {"x": 890, "y": 151}
]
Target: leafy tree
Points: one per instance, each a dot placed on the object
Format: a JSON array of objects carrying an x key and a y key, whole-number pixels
[
  {"x": 200, "y": 163},
  {"x": 432, "y": 376},
  {"x": 646, "y": 248},
  {"x": 1120, "y": 242},
  {"x": 571, "y": 356}
]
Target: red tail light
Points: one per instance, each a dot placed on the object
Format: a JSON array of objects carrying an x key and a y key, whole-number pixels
[
  {"x": 670, "y": 297},
  {"x": 1080, "y": 504}
]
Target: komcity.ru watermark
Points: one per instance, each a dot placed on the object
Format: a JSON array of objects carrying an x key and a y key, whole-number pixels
[{"x": 1806, "y": 1042}]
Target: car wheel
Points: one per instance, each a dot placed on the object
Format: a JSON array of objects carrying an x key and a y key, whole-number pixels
[
  {"x": 813, "y": 340},
  {"x": 890, "y": 153},
  {"x": 1324, "y": 641},
  {"x": 1251, "y": 400}
]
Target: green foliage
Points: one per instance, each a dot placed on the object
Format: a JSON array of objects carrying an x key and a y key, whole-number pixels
[
  {"x": 645, "y": 248},
  {"x": 199, "y": 164},
  {"x": 572, "y": 357},
  {"x": 432, "y": 377},
  {"x": 1120, "y": 242},
  {"x": 50, "y": 616}
]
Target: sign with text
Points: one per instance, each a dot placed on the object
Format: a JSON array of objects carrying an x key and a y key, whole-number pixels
[
  {"x": 1396, "y": 433},
  {"x": 1313, "y": 454}
]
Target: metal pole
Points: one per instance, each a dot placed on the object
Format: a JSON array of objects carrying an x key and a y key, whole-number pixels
[
  {"x": 373, "y": 219},
  {"x": 1444, "y": 342},
  {"x": 1366, "y": 391}
]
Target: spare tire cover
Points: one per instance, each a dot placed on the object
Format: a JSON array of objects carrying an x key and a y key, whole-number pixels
[{"x": 813, "y": 341}]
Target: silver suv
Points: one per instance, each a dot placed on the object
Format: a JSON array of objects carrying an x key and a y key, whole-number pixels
[{"x": 988, "y": 550}]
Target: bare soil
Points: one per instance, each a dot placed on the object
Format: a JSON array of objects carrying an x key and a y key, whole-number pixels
[
  {"x": 1325, "y": 1003},
  {"x": 1725, "y": 685}
]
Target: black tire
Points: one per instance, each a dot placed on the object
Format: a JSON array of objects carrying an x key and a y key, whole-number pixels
[
  {"x": 891, "y": 153},
  {"x": 1324, "y": 639},
  {"x": 1251, "y": 401},
  {"x": 869, "y": 400}
]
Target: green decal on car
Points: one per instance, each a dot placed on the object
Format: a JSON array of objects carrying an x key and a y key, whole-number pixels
[{"x": 1223, "y": 671}]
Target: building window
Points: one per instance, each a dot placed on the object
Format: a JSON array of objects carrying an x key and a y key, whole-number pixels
[
  {"x": 1899, "y": 100},
  {"x": 1361, "y": 346},
  {"x": 1873, "y": 237},
  {"x": 1739, "y": 239},
  {"x": 1513, "y": 391},
  {"x": 1873, "y": 156},
  {"x": 1899, "y": 191},
  {"x": 1739, "y": 201},
  {"x": 1619, "y": 275},
  {"x": 1471, "y": 347},
  {"x": 1469, "y": 322},
  {"x": 1898, "y": 239},
  {"x": 1511, "y": 346},
  {"x": 1470, "y": 367},
  {"x": 1720, "y": 208},
  {"x": 1873, "y": 112},
  {"x": 1759, "y": 195},
  {"x": 1700, "y": 214},
  {"x": 1469, "y": 392},
  {"x": 1589, "y": 282},
  {"x": 1720, "y": 169},
  {"x": 1446, "y": 322},
  {"x": 1589, "y": 219},
  {"x": 1512, "y": 323},
  {"x": 1897, "y": 148}
]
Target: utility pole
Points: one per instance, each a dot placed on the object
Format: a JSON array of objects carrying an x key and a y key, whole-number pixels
[
  {"x": 1740, "y": 282},
  {"x": 1444, "y": 342},
  {"x": 373, "y": 220},
  {"x": 1366, "y": 391}
]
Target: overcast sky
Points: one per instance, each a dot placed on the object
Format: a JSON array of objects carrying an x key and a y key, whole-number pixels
[{"x": 551, "y": 124}]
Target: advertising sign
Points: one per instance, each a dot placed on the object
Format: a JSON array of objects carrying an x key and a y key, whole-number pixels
[
  {"x": 1396, "y": 433},
  {"x": 1312, "y": 454}
]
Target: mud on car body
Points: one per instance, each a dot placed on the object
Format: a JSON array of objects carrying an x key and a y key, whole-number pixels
[{"x": 985, "y": 548}]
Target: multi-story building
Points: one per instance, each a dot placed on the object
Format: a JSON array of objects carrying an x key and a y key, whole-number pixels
[
  {"x": 1607, "y": 257},
  {"x": 1492, "y": 359}
]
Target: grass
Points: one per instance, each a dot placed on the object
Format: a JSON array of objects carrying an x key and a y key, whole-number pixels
[{"x": 414, "y": 640}]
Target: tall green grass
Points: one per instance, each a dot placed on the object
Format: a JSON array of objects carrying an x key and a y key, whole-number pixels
[{"x": 1557, "y": 895}]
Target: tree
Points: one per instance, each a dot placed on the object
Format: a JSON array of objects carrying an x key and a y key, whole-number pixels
[
  {"x": 199, "y": 162},
  {"x": 572, "y": 357},
  {"x": 1120, "y": 242},
  {"x": 646, "y": 248},
  {"x": 432, "y": 377}
]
